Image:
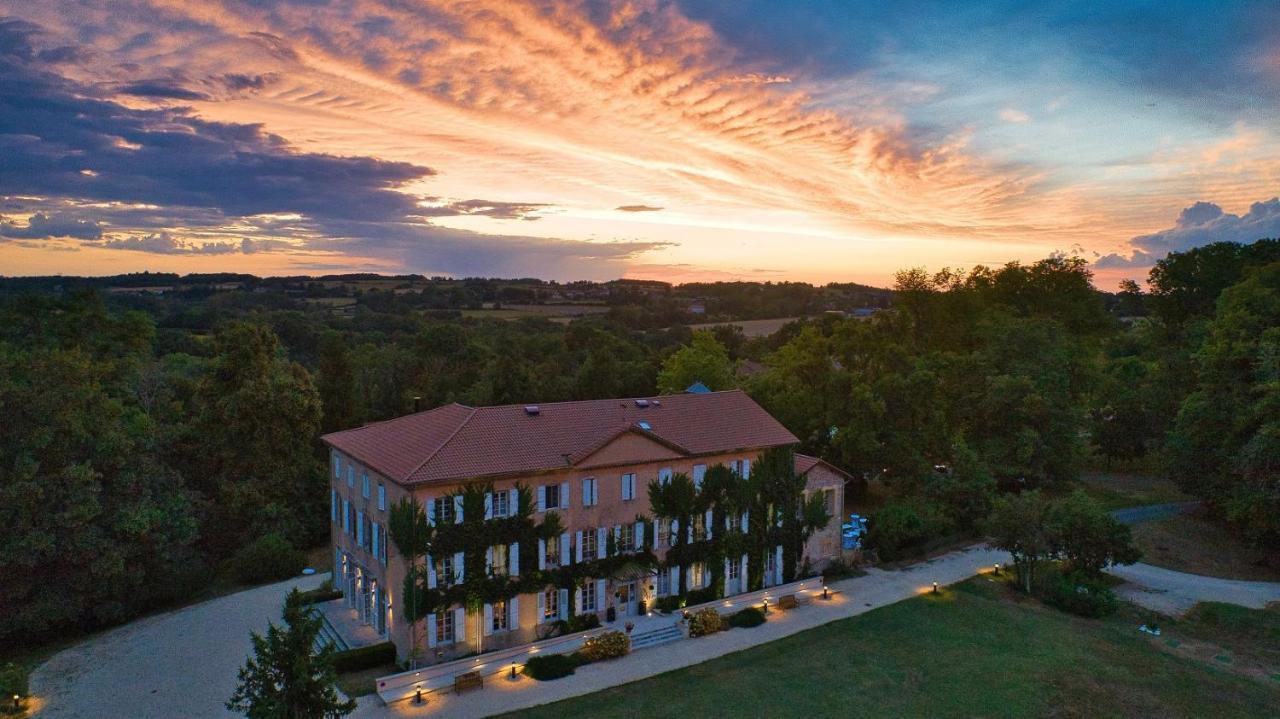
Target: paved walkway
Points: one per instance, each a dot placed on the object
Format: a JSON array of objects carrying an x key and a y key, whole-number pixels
[
  {"x": 1152, "y": 512},
  {"x": 171, "y": 666},
  {"x": 855, "y": 596},
  {"x": 1174, "y": 593}
]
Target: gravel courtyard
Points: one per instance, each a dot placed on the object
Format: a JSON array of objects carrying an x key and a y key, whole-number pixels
[{"x": 175, "y": 665}]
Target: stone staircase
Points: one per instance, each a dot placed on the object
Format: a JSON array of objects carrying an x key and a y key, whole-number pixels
[
  {"x": 329, "y": 635},
  {"x": 656, "y": 637}
]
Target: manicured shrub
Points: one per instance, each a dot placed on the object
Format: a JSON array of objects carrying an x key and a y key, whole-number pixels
[
  {"x": 374, "y": 655},
  {"x": 749, "y": 617},
  {"x": 1079, "y": 594},
  {"x": 705, "y": 621},
  {"x": 324, "y": 593},
  {"x": 702, "y": 596},
  {"x": 583, "y": 622},
  {"x": 905, "y": 524},
  {"x": 268, "y": 558},
  {"x": 667, "y": 605},
  {"x": 605, "y": 646},
  {"x": 13, "y": 680},
  {"x": 550, "y": 666}
]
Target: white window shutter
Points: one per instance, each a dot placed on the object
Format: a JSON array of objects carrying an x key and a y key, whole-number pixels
[
  {"x": 726, "y": 577},
  {"x": 431, "y": 573},
  {"x": 745, "y": 516},
  {"x": 382, "y": 497},
  {"x": 375, "y": 541},
  {"x": 346, "y": 518},
  {"x": 709, "y": 523},
  {"x": 564, "y": 549},
  {"x": 777, "y": 565},
  {"x": 457, "y": 509},
  {"x": 656, "y": 533},
  {"x": 513, "y": 614},
  {"x": 513, "y": 559},
  {"x": 675, "y": 580},
  {"x": 459, "y": 567},
  {"x": 675, "y": 532},
  {"x": 359, "y": 528},
  {"x": 746, "y": 468},
  {"x": 564, "y": 495},
  {"x": 601, "y": 543},
  {"x": 542, "y": 607},
  {"x": 586, "y": 493},
  {"x": 542, "y": 499},
  {"x": 431, "y": 511},
  {"x": 487, "y": 628},
  {"x": 639, "y": 535},
  {"x": 488, "y": 505},
  {"x": 742, "y": 582},
  {"x": 431, "y": 629},
  {"x": 542, "y": 554},
  {"x": 564, "y": 604},
  {"x": 617, "y": 539},
  {"x": 488, "y": 561},
  {"x": 577, "y": 599},
  {"x": 513, "y": 502},
  {"x": 579, "y": 545},
  {"x": 600, "y": 589},
  {"x": 460, "y": 625}
]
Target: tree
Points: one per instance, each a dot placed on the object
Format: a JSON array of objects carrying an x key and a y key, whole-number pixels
[
  {"x": 703, "y": 360},
  {"x": 286, "y": 678},
  {"x": 1019, "y": 524},
  {"x": 1087, "y": 536},
  {"x": 336, "y": 384}
]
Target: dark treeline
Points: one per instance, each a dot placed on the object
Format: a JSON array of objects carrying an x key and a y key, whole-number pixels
[{"x": 154, "y": 444}]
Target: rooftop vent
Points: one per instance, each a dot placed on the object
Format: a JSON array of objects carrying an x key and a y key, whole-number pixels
[
  {"x": 531, "y": 410},
  {"x": 642, "y": 403},
  {"x": 644, "y": 425}
]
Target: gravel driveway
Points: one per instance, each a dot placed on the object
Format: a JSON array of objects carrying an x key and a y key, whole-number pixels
[
  {"x": 1170, "y": 592},
  {"x": 170, "y": 666}
]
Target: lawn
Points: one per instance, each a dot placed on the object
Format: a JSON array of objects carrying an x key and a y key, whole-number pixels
[
  {"x": 975, "y": 650},
  {"x": 1197, "y": 544},
  {"x": 1117, "y": 490}
]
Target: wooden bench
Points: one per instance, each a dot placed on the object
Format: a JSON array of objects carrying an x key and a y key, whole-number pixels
[
  {"x": 470, "y": 680},
  {"x": 787, "y": 601}
]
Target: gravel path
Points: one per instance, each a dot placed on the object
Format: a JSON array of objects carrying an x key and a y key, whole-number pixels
[
  {"x": 1174, "y": 593},
  {"x": 170, "y": 666},
  {"x": 856, "y": 596}
]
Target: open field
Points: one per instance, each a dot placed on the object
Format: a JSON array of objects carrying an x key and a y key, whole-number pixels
[
  {"x": 556, "y": 313},
  {"x": 1195, "y": 543},
  {"x": 1117, "y": 490},
  {"x": 751, "y": 328},
  {"x": 975, "y": 650}
]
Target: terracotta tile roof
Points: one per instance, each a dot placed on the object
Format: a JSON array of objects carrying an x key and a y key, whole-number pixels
[
  {"x": 456, "y": 442},
  {"x": 804, "y": 463}
]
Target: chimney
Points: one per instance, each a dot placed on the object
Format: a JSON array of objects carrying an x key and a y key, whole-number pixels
[{"x": 417, "y": 404}]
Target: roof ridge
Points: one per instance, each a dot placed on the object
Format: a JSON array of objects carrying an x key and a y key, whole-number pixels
[
  {"x": 367, "y": 425},
  {"x": 470, "y": 413},
  {"x": 607, "y": 399}
]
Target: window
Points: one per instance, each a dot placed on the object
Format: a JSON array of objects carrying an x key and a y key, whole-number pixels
[
  {"x": 589, "y": 495},
  {"x": 501, "y": 503},
  {"x": 734, "y": 520},
  {"x": 351, "y": 475},
  {"x": 699, "y": 527},
  {"x": 551, "y": 557},
  {"x": 664, "y": 532},
  {"x": 333, "y": 505},
  {"x": 699, "y": 471},
  {"x": 697, "y": 573},
  {"x": 628, "y": 487},
  {"x": 735, "y": 466},
  {"x": 382, "y": 498},
  {"x": 734, "y": 568},
  {"x": 498, "y": 567},
  {"x": 444, "y": 627},
  {"x": 551, "y": 604},
  {"x": 664, "y": 475},
  {"x": 444, "y": 570},
  {"x": 552, "y": 494},
  {"x": 829, "y": 502},
  {"x": 346, "y": 517},
  {"x": 589, "y": 545},
  {"x": 588, "y": 597},
  {"x": 627, "y": 538},
  {"x": 664, "y": 583},
  {"x": 499, "y": 610},
  {"x": 364, "y": 485},
  {"x": 443, "y": 510},
  {"x": 337, "y": 466}
]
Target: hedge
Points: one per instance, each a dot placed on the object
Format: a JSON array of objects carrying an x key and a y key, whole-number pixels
[
  {"x": 268, "y": 558},
  {"x": 374, "y": 655},
  {"x": 1080, "y": 595},
  {"x": 705, "y": 621},
  {"x": 608, "y": 645},
  {"x": 749, "y": 617},
  {"x": 550, "y": 666},
  {"x": 318, "y": 595}
]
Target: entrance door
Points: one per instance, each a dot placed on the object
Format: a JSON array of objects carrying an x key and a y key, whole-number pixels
[{"x": 627, "y": 596}]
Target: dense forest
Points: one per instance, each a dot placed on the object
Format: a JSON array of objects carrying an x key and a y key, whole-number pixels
[{"x": 160, "y": 432}]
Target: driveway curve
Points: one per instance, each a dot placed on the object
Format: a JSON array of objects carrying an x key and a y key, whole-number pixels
[
  {"x": 1171, "y": 592},
  {"x": 181, "y": 664}
]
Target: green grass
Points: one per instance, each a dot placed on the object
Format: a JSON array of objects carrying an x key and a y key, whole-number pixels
[
  {"x": 974, "y": 650},
  {"x": 364, "y": 681},
  {"x": 1120, "y": 491}
]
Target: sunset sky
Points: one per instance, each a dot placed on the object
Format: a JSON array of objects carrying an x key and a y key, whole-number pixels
[{"x": 696, "y": 139}]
